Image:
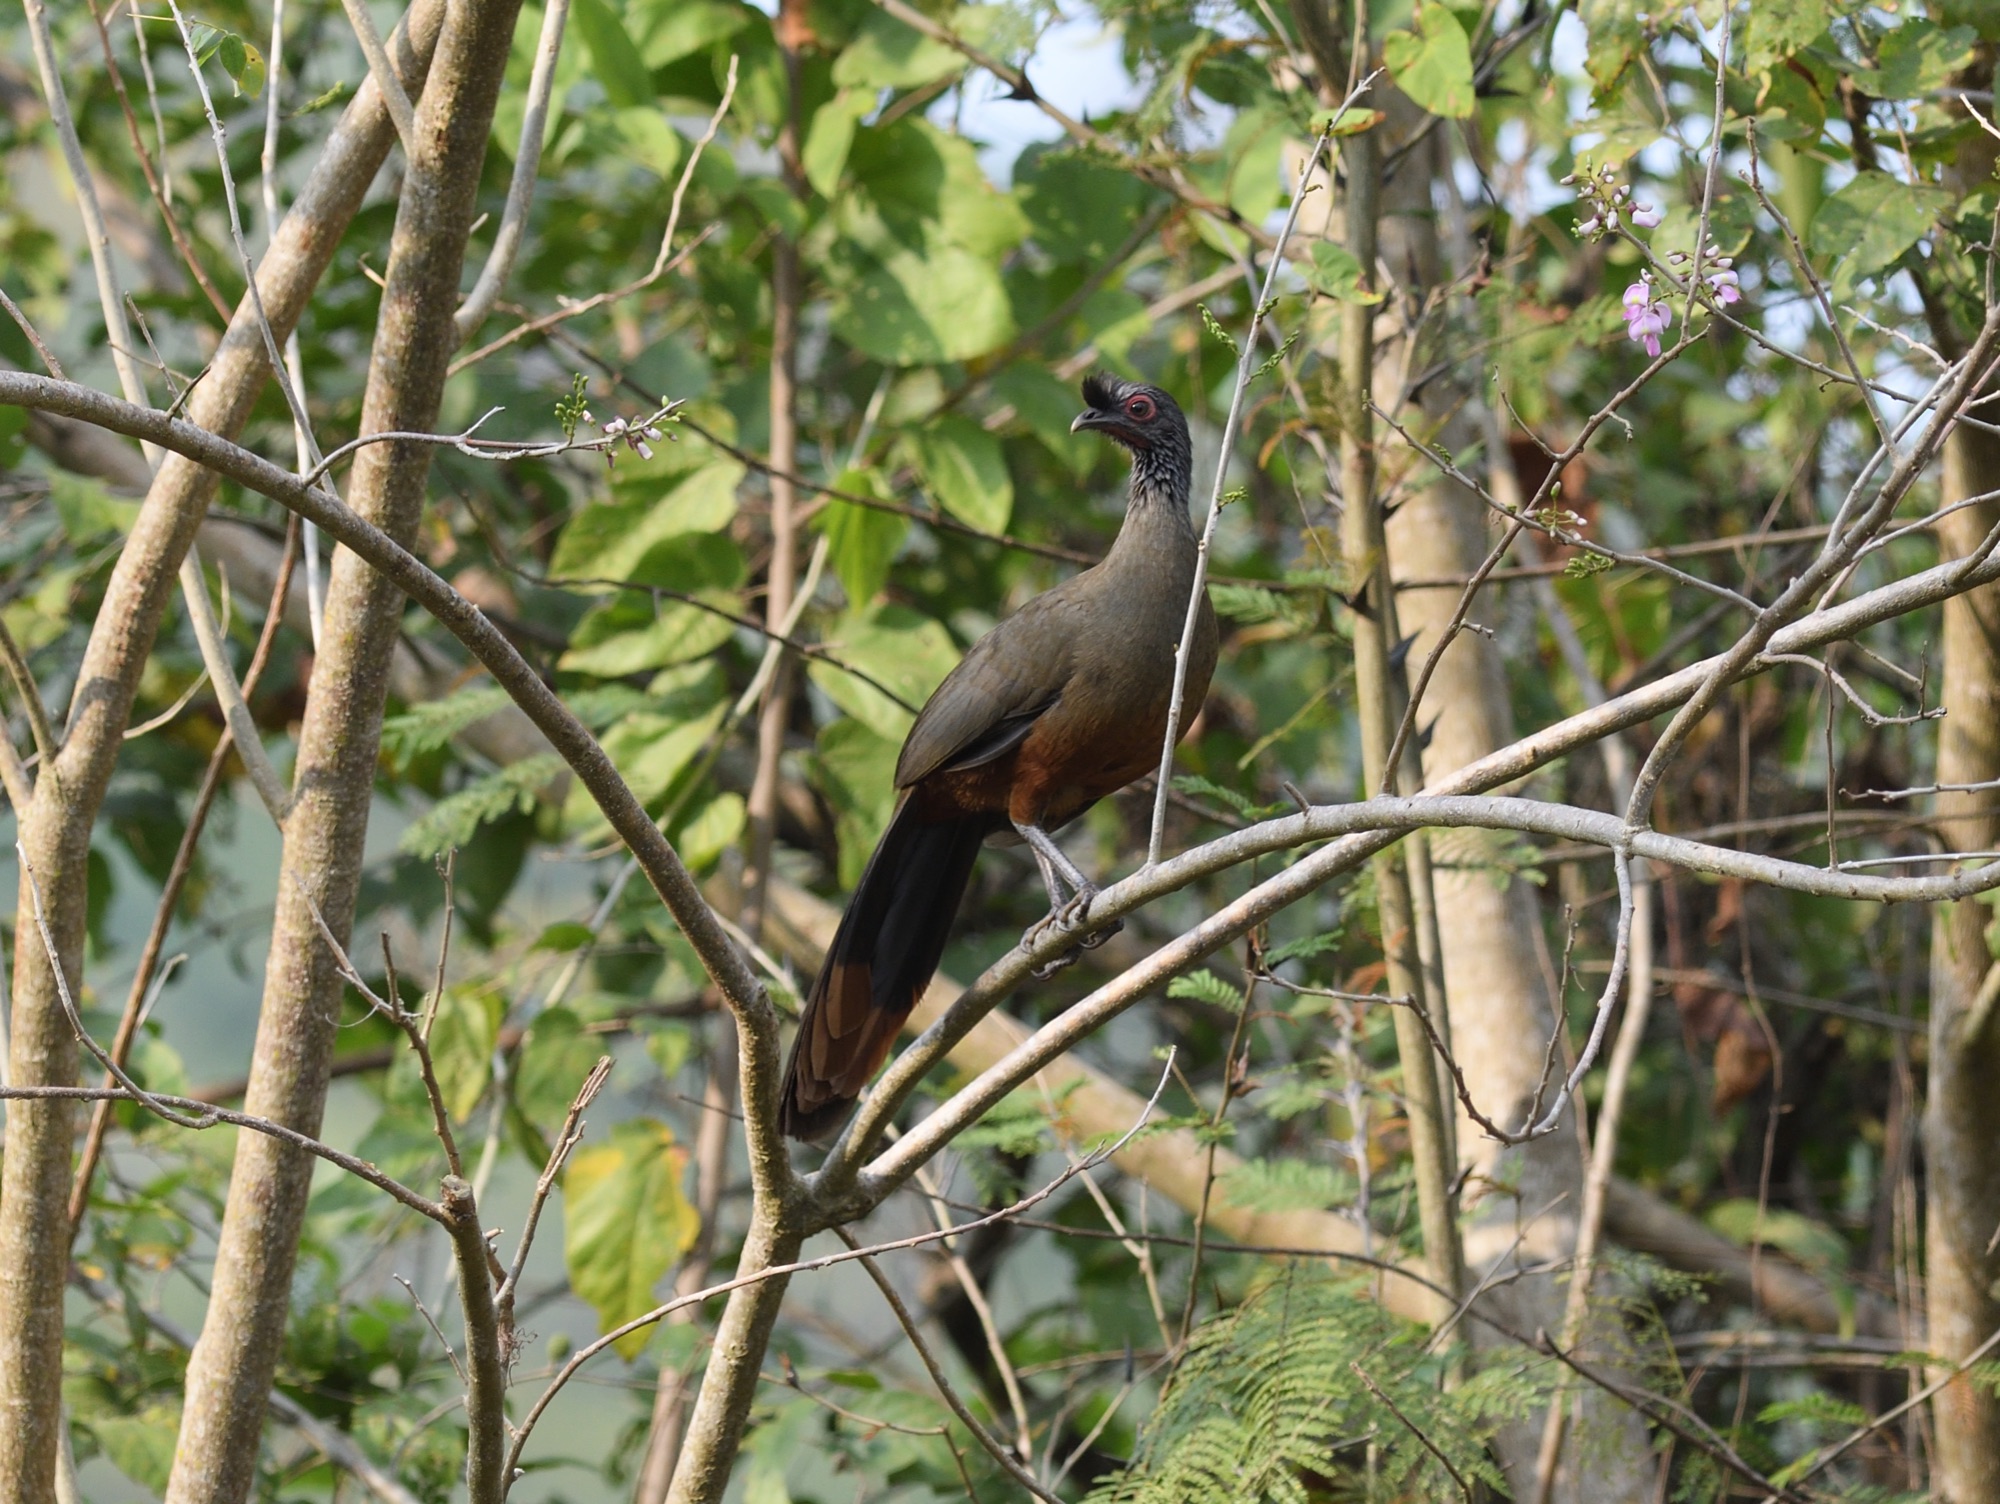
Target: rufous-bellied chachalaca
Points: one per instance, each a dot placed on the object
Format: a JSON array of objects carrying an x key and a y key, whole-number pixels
[{"x": 1061, "y": 704}]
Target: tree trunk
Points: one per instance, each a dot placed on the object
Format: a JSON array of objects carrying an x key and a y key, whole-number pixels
[
  {"x": 231, "y": 1369},
  {"x": 1522, "y": 1202},
  {"x": 56, "y": 829},
  {"x": 1962, "y": 1119}
]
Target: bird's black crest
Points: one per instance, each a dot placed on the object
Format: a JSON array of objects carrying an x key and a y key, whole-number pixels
[{"x": 1102, "y": 391}]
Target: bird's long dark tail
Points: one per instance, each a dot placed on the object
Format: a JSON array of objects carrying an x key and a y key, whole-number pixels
[{"x": 882, "y": 958}]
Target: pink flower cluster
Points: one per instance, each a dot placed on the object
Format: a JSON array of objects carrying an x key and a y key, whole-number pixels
[
  {"x": 1609, "y": 200},
  {"x": 1646, "y": 317}
]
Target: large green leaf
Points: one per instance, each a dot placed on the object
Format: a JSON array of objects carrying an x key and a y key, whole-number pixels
[
  {"x": 1873, "y": 220},
  {"x": 670, "y": 30},
  {"x": 614, "y": 61},
  {"x": 830, "y": 136},
  {"x": 625, "y": 1222},
  {"x": 1616, "y": 36},
  {"x": 896, "y": 647},
  {"x": 462, "y": 1038},
  {"x": 1919, "y": 57},
  {"x": 965, "y": 470},
  {"x": 607, "y": 541},
  {"x": 141, "y": 1446},
  {"x": 677, "y": 633},
  {"x": 856, "y": 770},
  {"x": 653, "y": 750},
  {"x": 886, "y": 54},
  {"x": 1078, "y": 208},
  {"x": 1778, "y": 28},
  {"x": 921, "y": 186},
  {"x": 1433, "y": 64},
  {"x": 1333, "y": 270},
  {"x": 912, "y": 309},
  {"x": 554, "y": 1058},
  {"x": 861, "y": 541}
]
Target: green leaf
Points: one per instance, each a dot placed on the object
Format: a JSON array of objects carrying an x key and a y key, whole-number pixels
[
  {"x": 830, "y": 136},
  {"x": 671, "y": 1046},
  {"x": 242, "y": 62},
  {"x": 87, "y": 511},
  {"x": 1303, "y": 947},
  {"x": 712, "y": 830},
  {"x": 1246, "y": 603},
  {"x": 607, "y": 541},
  {"x": 1207, "y": 987},
  {"x": 1779, "y": 28},
  {"x": 1285, "y": 1185},
  {"x": 676, "y": 633},
  {"x": 1433, "y": 64},
  {"x": 614, "y": 60},
  {"x": 141, "y": 1446},
  {"x": 855, "y": 768},
  {"x": 861, "y": 541},
  {"x": 1873, "y": 220},
  {"x": 1918, "y": 57},
  {"x": 564, "y": 935},
  {"x": 1333, "y": 270},
  {"x": 651, "y": 141},
  {"x": 965, "y": 470},
  {"x": 695, "y": 563},
  {"x": 652, "y": 750},
  {"x": 462, "y": 1039},
  {"x": 625, "y": 1222},
  {"x": 1079, "y": 208},
  {"x": 452, "y": 820},
  {"x": 431, "y": 724},
  {"x": 1617, "y": 35},
  {"x": 1047, "y": 406},
  {"x": 674, "y": 29},
  {"x": 895, "y": 646},
  {"x": 913, "y": 309},
  {"x": 886, "y": 54},
  {"x": 555, "y": 1056}
]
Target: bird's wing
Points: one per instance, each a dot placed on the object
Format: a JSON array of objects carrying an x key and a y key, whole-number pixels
[{"x": 988, "y": 704}]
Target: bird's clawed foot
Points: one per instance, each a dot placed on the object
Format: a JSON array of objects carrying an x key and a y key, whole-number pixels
[{"x": 1073, "y": 917}]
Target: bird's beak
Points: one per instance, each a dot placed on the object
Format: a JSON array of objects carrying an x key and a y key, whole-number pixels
[{"x": 1094, "y": 418}]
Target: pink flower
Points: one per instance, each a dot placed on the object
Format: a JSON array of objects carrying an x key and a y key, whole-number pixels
[
  {"x": 1646, "y": 217},
  {"x": 1723, "y": 285},
  {"x": 1646, "y": 318}
]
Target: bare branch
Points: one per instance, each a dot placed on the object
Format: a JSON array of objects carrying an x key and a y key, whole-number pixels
[
  {"x": 394, "y": 99},
  {"x": 1198, "y": 593},
  {"x": 527, "y": 165},
  {"x": 661, "y": 263}
]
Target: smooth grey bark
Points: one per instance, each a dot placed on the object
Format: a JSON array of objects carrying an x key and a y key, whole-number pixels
[
  {"x": 1521, "y": 1202},
  {"x": 231, "y": 1369},
  {"x": 56, "y": 828},
  {"x": 1962, "y": 1115}
]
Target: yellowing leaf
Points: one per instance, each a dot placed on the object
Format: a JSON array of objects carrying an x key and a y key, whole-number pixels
[
  {"x": 625, "y": 1223},
  {"x": 462, "y": 1039}
]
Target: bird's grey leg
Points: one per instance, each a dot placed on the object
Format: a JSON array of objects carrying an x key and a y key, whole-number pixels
[
  {"x": 1054, "y": 863},
  {"x": 1057, "y": 897}
]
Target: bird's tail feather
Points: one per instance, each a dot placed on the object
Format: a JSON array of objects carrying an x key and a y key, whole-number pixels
[{"x": 882, "y": 958}]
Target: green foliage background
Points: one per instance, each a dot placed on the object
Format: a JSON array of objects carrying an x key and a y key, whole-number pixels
[{"x": 945, "y": 289}]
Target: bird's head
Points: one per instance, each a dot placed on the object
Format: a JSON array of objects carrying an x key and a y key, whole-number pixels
[{"x": 1146, "y": 421}]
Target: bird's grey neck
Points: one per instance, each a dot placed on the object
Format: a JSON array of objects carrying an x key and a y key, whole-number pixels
[{"x": 1159, "y": 495}]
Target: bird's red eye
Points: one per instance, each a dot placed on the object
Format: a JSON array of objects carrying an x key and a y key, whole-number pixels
[{"x": 1140, "y": 408}]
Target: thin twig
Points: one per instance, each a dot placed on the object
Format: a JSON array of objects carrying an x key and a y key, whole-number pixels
[
  {"x": 527, "y": 165},
  {"x": 994, "y": 1447},
  {"x": 401, "y": 114},
  {"x": 661, "y": 262}
]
